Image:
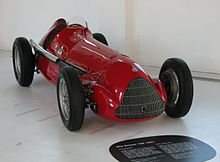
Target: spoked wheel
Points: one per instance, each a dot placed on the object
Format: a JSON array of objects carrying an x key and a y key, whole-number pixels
[
  {"x": 177, "y": 80},
  {"x": 64, "y": 99},
  {"x": 71, "y": 99},
  {"x": 17, "y": 63},
  {"x": 23, "y": 61}
]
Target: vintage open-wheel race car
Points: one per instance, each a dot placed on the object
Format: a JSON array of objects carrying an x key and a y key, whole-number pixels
[{"x": 89, "y": 74}]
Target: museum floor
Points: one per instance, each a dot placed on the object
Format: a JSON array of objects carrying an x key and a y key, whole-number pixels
[{"x": 31, "y": 128}]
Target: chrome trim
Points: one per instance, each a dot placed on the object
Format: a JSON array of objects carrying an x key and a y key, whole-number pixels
[{"x": 38, "y": 48}]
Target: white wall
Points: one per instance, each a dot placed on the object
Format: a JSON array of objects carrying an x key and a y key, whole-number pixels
[
  {"x": 130, "y": 27},
  {"x": 189, "y": 29},
  {"x": 32, "y": 18},
  {"x": 148, "y": 30}
]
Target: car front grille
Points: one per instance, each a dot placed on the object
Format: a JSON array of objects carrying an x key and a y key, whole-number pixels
[{"x": 140, "y": 100}]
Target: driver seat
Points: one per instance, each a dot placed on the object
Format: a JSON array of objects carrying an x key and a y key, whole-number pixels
[{"x": 54, "y": 30}]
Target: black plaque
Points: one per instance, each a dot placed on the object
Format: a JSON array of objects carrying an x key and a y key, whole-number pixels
[{"x": 169, "y": 148}]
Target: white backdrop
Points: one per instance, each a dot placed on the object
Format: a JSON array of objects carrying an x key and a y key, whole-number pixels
[
  {"x": 189, "y": 29},
  {"x": 32, "y": 18},
  {"x": 148, "y": 30}
]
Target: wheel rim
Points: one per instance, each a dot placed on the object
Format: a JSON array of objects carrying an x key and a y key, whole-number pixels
[
  {"x": 17, "y": 63},
  {"x": 64, "y": 99},
  {"x": 171, "y": 83}
]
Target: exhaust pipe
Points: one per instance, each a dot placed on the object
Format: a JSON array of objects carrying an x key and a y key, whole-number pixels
[{"x": 39, "y": 50}]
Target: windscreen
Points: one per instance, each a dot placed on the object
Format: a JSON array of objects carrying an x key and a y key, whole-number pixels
[{"x": 77, "y": 22}]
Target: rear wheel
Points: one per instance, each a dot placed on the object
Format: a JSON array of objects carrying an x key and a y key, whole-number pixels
[
  {"x": 100, "y": 37},
  {"x": 23, "y": 61},
  {"x": 177, "y": 79},
  {"x": 71, "y": 99}
]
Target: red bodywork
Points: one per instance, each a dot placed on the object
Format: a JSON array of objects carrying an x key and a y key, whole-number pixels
[{"x": 109, "y": 72}]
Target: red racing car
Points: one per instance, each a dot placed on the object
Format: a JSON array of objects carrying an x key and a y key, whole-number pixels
[{"x": 87, "y": 73}]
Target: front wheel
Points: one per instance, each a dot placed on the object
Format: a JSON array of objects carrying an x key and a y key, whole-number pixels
[
  {"x": 71, "y": 99},
  {"x": 23, "y": 61},
  {"x": 177, "y": 80}
]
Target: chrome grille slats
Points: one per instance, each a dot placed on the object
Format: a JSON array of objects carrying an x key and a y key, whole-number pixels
[{"x": 140, "y": 100}]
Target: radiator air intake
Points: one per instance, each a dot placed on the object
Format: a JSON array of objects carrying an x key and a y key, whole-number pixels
[{"x": 140, "y": 100}]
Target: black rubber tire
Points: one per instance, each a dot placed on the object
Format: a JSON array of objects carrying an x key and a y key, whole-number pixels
[
  {"x": 27, "y": 61},
  {"x": 100, "y": 37},
  {"x": 185, "y": 96},
  {"x": 76, "y": 98}
]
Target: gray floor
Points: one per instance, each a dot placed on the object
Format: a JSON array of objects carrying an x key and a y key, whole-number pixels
[{"x": 31, "y": 129}]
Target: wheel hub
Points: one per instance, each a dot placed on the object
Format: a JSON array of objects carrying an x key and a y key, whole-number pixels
[
  {"x": 171, "y": 84},
  {"x": 17, "y": 63},
  {"x": 64, "y": 99}
]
